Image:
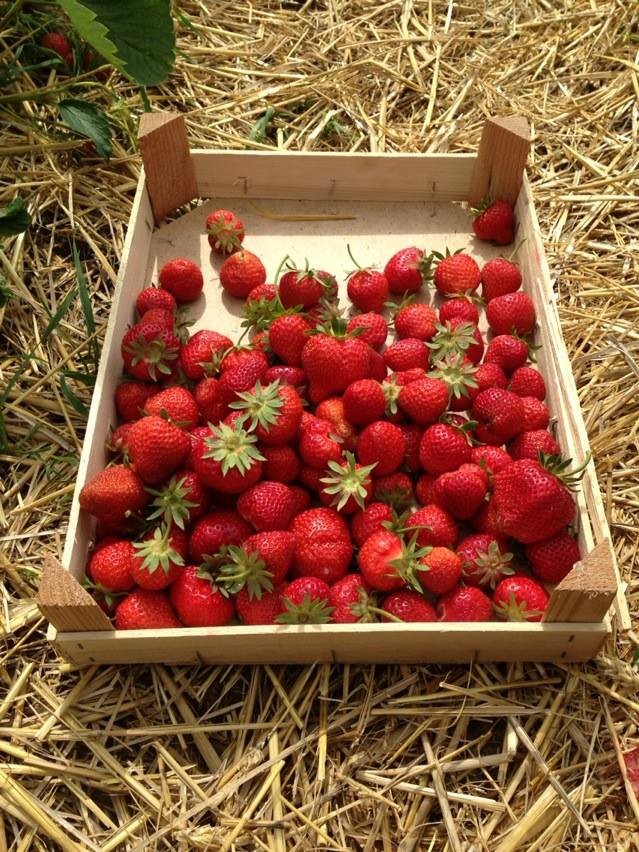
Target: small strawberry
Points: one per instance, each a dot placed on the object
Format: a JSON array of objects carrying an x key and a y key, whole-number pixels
[
  {"x": 175, "y": 404},
  {"x": 304, "y": 288},
  {"x": 159, "y": 558},
  {"x": 272, "y": 411},
  {"x": 323, "y": 544},
  {"x": 412, "y": 438},
  {"x": 281, "y": 464},
  {"x": 203, "y": 352},
  {"x": 374, "y": 329},
  {"x": 260, "y": 565},
  {"x": 396, "y": 489},
  {"x": 241, "y": 377},
  {"x": 350, "y": 600},
  {"x": 380, "y": 559},
  {"x": 492, "y": 459},
  {"x": 306, "y": 602},
  {"x": 60, "y": 44},
  {"x": 382, "y": 444},
  {"x": 507, "y": 351},
  {"x": 346, "y": 485},
  {"x": 262, "y": 610},
  {"x": 485, "y": 559},
  {"x": 145, "y": 610},
  {"x": 332, "y": 410},
  {"x": 536, "y": 414},
  {"x": 180, "y": 501},
  {"x": 214, "y": 531},
  {"x": 333, "y": 361},
  {"x": 131, "y": 398},
  {"x": 267, "y": 506},
  {"x": 241, "y": 272},
  {"x": 154, "y": 297},
  {"x": 456, "y": 274},
  {"x": 228, "y": 460},
  {"x": 370, "y": 520},
  {"x": 407, "y": 270},
  {"x": 198, "y": 602},
  {"x": 159, "y": 316},
  {"x": 364, "y": 401},
  {"x": 210, "y": 406},
  {"x": 287, "y": 337},
  {"x": 520, "y": 598},
  {"x": 528, "y": 445},
  {"x": 114, "y": 494},
  {"x": 286, "y": 375},
  {"x": 182, "y": 278},
  {"x": 488, "y": 520},
  {"x": 494, "y": 222},
  {"x": 418, "y": 321},
  {"x": 157, "y": 448},
  {"x": 498, "y": 277},
  {"x": 424, "y": 401},
  {"x": 111, "y": 566},
  {"x": 461, "y": 492},
  {"x": 367, "y": 289},
  {"x": 425, "y": 489},
  {"x": 526, "y": 381},
  {"x": 435, "y": 527},
  {"x": 439, "y": 570},
  {"x": 119, "y": 440},
  {"x": 407, "y": 605},
  {"x": 225, "y": 231},
  {"x": 465, "y": 603},
  {"x": 406, "y": 354},
  {"x": 513, "y": 313},
  {"x": 263, "y": 293},
  {"x": 443, "y": 448},
  {"x": 500, "y": 415},
  {"x": 552, "y": 559},
  {"x": 242, "y": 356},
  {"x": 148, "y": 351},
  {"x": 457, "y": 337},
  {"x": 460, "y": 307},
  {"x": 318, "y": 444}
]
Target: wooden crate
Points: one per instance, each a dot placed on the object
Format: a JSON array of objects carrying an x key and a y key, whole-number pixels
[{"x": 311, "y": 205}]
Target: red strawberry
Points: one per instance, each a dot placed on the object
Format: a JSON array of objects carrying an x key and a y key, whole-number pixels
[
  {"x": 131, "y": 398},
  {"x": 440, "y": 570},
  {"x": 114, "y": 494},
  {"x": 528, "y": 445},
  {"x": 260, "y": 565},
  {"x": 417, "y": 321},
  {"x": 267, "y": 506},
  {"x": 304, "y": 288},
  {"x": 458, "y": 375},
  {"x": 182, "y": 278},
  {"x": 461, "y": 492},
  {"x": 323, "y": 544},
  {"x": 350, "y": 600},
  {"x": 159, "y": 558},
  {"x": 306, "y": 602},
  {"x": 300, "y": 499},
  {"x": 145, "y": 610},
  {"x": 520, "y": 598},
  {"x": 281, "y": 464},
  {"x": 318, "y": 444},
  {"x": 181, "y": 501},
  {"x": 286, "y": 375},
  {"x": 553, "y": 558},
  {"x": 272, "y": 411},
  {"x": 412, "y": 438},
  {"x": 424, "y": 401},
  {"x": 374, "y": 329},
  {"x": 119, "y": 441},
  {"x": 407, "y": 605},
  {"x": 380, "y": 558},
  {"x": 382, "y": 444},
  {"x": 425, "y": 489},
  {"x": 460, "y": 307},
  {"x": 488, "y": 520},
  {"x": 111, "y": 566},
  {"x": 507, "y": 351},
  {"x": 198, "y": 602},
  {"x": 241, "y": 272},
  {"x": 407, "y": 270},
  {"x": 243, "y": 356},
  {"x": 536, "y": 414},
  {"x": 485, "y": 559},
  {"x": 513, "y": 313},
  {"x": 332, "y": 410},
  {"x": 228, "y": 460},
  {"x": 346, "y": 485},
  {"x": 334, "y": 361},
  {"x": 368, "y": 289},
  {"x": 526, "y": 381},
  {"x": 436, "y": 528},
  {"x": 495, "y": 222},
  {"x": 263, "y": 610},
  {"x": 175, "y": 404},
  {"x": 202, "y": 353},
  {"x": 225, "y": 230},
  {"x": 207, "y": 397},
  {"x": 159, "y": 316},
  {"x": 370, "y": 520},
  {"x": 148, "y": 351},
  {"x": 214, "y": 531},
  {"x": 396, "y": 489},
  {"x": 157, "y": 448},
  {"x": 242, "y": 376},
  {"x": 153, "y": 297},
  {"x": 492, "y": 459},
  {"x": 287, "y": 336},
  {"x": 364, "y": 401},
  {"x": 406, "y": 354},
  {"x": 263, "y": 293},
  {"x": 60, "y": 44},
  {"x": 500, "y": 415},
  {"x": 443, "y": 448},
  {"x": 465, "y": 603},
  {"x": 457, "y": 337},
  {"x": 456, "y": 274},
  {"x": 498, "y": 277}
]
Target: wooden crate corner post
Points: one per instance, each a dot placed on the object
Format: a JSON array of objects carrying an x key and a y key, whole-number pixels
[
  {"x": 65, "y": 604},
  {"x": 587, "y": 591},
  {"x": 501, "y": 160}
]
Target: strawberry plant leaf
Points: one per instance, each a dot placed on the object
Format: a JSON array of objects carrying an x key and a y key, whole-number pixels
[
  {"x": 88, "y": 120},
  {"x": 14, "y": 218},
  {"x": 137, "y": 37}
]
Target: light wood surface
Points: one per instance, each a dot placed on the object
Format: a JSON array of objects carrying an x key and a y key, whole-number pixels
[
  {"x": 167, "y": 161},
  {"x": 586, "y": 593},
  {"x": 64, "y": 602},
  {"x": 501, "y": 160}
]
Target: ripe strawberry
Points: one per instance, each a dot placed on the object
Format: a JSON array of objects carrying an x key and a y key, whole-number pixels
[
  {"x": 368, "y": 289},
  {"x": 159, "y": 316},
  {"x": 412, "y": 438},
  {"x": 425, "y": 489},
  {"x": 513, "y": 313},
  {"x": 198, "y": 601},
  {"x": 346, "y": 485},
  {"x": 110, "y": 566},
  {"x": 287, "y": 336},
  {"x": 533, "y": 502},
  {"x": 228, "y": 460},
  {"x": 60, "y": 44},
  {"x": 207, "y": 397},
  {"x": 396, "y": 489},
  {"x": 461, "y": 492},
  {"x": 407, "y": 270},
  {"x": 417, "y": 321},
  {"x": 443, "y": 448},
  {"x": 272, "y": 411},
  {"x": 159, "y": 558},
  {"x": 436, "y": 528},
  {"x": 259, "y": 566},
  {"x": 242, "y": 376},
  {"x": 485, "y": 559},
  {"x": 156, "y": 448},
  {"x": 507, "y": 351},
  {"x": 202, "y": 353},
  {"x": 459, "y": 307},
  {"x": 225, "y": 230},
  {"x": 241, "y": 356},
  {"x": 456, "y": 274},
  {"x": 180, "y": 501},
  {"x": 424, "y": 401},
  {"x": 492, "y": 459},
  {"x": 119, "y": 440},
  {"x": 552, "y": 559},
  {"x": 495, "y": 222},
  {"x": 317, "y": 443},
  {"x": 145, "y": 610},
  {"x": 350, "y": 600},
  {"x": 364, "y": 401},
  {"x": 382, "y": 444},
  {"x": 520, "y": 598},
  {"x": 526, "y": 381},
  {"x": 304, "y": 288},
  {"x": 465, "y": 603},
  {"x": 488, "y": 520},
  {"x": 153, "y": 297},
  {"x": 498, "y": 277},
  {"x": 263, "y": 293},
  {"x": 281, "y": 464},
  {"x": 301, "y": 500},
  {"x": 380, "y": 559},
  {"x": 536, "y": 414},
  {"x": 267, "y": 506},
  {"x": 406, "y": 354},
  {"x": 500, "y": 415},
  {"x": 131, "y": 398},
  {"x": 114, "y": 494},
  {"x": 440, "y": 570},
  {"x": 286, "y": 375},
  {"x": 407, "y": 605},
  {"x": 306, "y": 602},
  {"x": 241, "y": 272},
  {"x": 457, "y": 337},
  {"x": 374, "y": 328},
  {"x": 263, "y": 610},
  {"x": 182, "y": 278},
  {"x": 175, "y": 404},
  {"x": 323, "y": 545},
  {"x": 148, "y": 351},
  {"x": 370, "y": 520},
  {"x": 214, "y": 531},
  {"x": 528, "y": 445},
  {"x": 333, "y": 361}
]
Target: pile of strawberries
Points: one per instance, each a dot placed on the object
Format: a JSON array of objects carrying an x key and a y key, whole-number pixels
[{"x": 324, "y": 471}]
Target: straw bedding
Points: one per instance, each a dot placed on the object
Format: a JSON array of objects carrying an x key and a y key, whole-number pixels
[{"x": 386, "y": 758}]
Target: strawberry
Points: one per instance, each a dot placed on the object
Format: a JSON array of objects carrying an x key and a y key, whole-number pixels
[
  {"x": 435, "y": 527},
  {"x": 443, "y": 448},
  {"x": 526, "y": 381},
  {"x": 175, "y": 404},
  {"x": 225, "y": 231},
  {"x": 498, "y": 277},
  {"x": 533, "y": 502},
  {"x": 485, "y": 559},
  {"x": 439, "y": 570},
  {"x": 60, "y": 44},
  {"x": 228, "y": 460},
  {"x": 346, "y": 486},
  {"x": 202, "y": 353},
  {"x": 156, "y": 448},
  {"x": 317, "y": 444},
  {"x": 457, "y": 337},
  {"x": 494, "y": 222},
  {"x": 182, "y": 278},
  {"x": 242, "y": 376},
  {"x": 243, "y": 356},
  {"x": 153, "y": 297},
  {"x": 262, "y": 610},
  {"x": 520, "y": 598},
  {"x": 461, "y": 492},
  {"x": 370, "y": 520},
  {"x": 465, "y": 603},
  {"x": 406, "y": 354},
  {"x": 267, "y": 506},
  {"x": 350, "y": 600},
  {"x": 180, "y": 501},
  {"x": 374, "y": 328},
  {"x": 458, "y": 375},
  {"x": 528, "y": 445},
  {"x": 119, "y": 441},
  {"x": 424, "y": 401},
  {"x": 286, "y": 375},
  {"x": 260, "y": 565},
  {"x": 513, "y": 313},
  {"x": 145, "y": 610},
  {"x": 114, "y": 494},
  {"x": 552, "y": 559},
  {"x": 287, "y": 336},
  {"x": 382, "y": 444},
  {"x": 131, "y": 398},
  {"x": 304, "y": 288},
  {"x": 368, "y": 289},
  {"x": 396, "y": 489},
  {"x": 500, "y": 415},
  {"x": 417, "y": 321},
  {"x": 456, "y": 274},
  {"x": 272, "y": 411},
  {"x": 333, "y": 361},
  {"x": 214, "y": 531},
  {"x": 407, "y": 605},
  {"x": 536, "y": 414},
  {"x": 407, "y": 270},
  {"x": 492, "y": 459},
  {"x": 306, "y": 602},
  {"x": 488, "y": 520},
  {"x": 198, "y": 602},
  {"x": 425, "y": 489},
  {"x": 241, "y": 272},
  {"x": 380, "y": 559},
  {"x": 507, "y": 351},
  {"x": 364, "y": 401},
  {"x": 263, "y": 293},
  {"x": 159, "y": 316},
  {"x": 460, "y": 307},
  {"x": 323, "y": 545},
  {"x": 412, "y": 438},
  {"x": 332, "y": 410},
  {"x": 111, "y": 566},
  {"x": 207, "y": 397},
  {"x": 159, "y": 557},
  {"x": 148, "y": 351},
  {"x": 300, "y": 499},
  {"x": 281, "y": 464},
  {"x": 488, "y": 376}
]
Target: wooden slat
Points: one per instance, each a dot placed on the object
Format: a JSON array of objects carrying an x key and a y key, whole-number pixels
[
  {"x": 64, "y": 602},
  {"x": 501, "y": 160},
  {"x": 164, "y": 146},
  {"x": 586, "y": 593},
  {"x": 339, "y": 176}
]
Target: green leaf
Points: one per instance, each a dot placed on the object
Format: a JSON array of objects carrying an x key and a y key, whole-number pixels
[
  {"x": 258, "y": 131},
  {"x": 14, "y": 218},
  {"x": 88, "y": 120},
  {"x": 87, "y": 307},
  {"x": 136, "y": 36}
]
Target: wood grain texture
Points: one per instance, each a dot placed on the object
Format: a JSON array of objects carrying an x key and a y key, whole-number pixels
[
  {"x": 501, "y": 160},
  {"x": 64, "y": 602},
  {"x": 586, "y": 593},
  {"x": 170, "y": 179}
]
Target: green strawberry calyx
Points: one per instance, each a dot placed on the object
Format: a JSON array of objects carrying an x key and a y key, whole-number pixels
[
  {"x": 491, "y": 565},
  {"x": 171, "y": 503},
  {"x": 154, "y": 353},
  {"x": 409, "y": 564},
  {"x": 233, "y": 448},
  {"x": 156, "y": 552},
  {"x": 452, "y": 341},
  {"x": 513, "y": 610},
  {"x": 458, "y": 374},
  {"x": 309, "y": 611},
  {"x": 260, "y": 313},
  {"x": 561, "y": 468},
  {"x": 239, "y": 568},
  {"x": 348, "y": 479},
  {"x": 261, "y": 405}
]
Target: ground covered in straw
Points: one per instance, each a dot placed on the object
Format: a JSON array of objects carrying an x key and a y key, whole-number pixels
[{"x": 387, "y": 758}]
